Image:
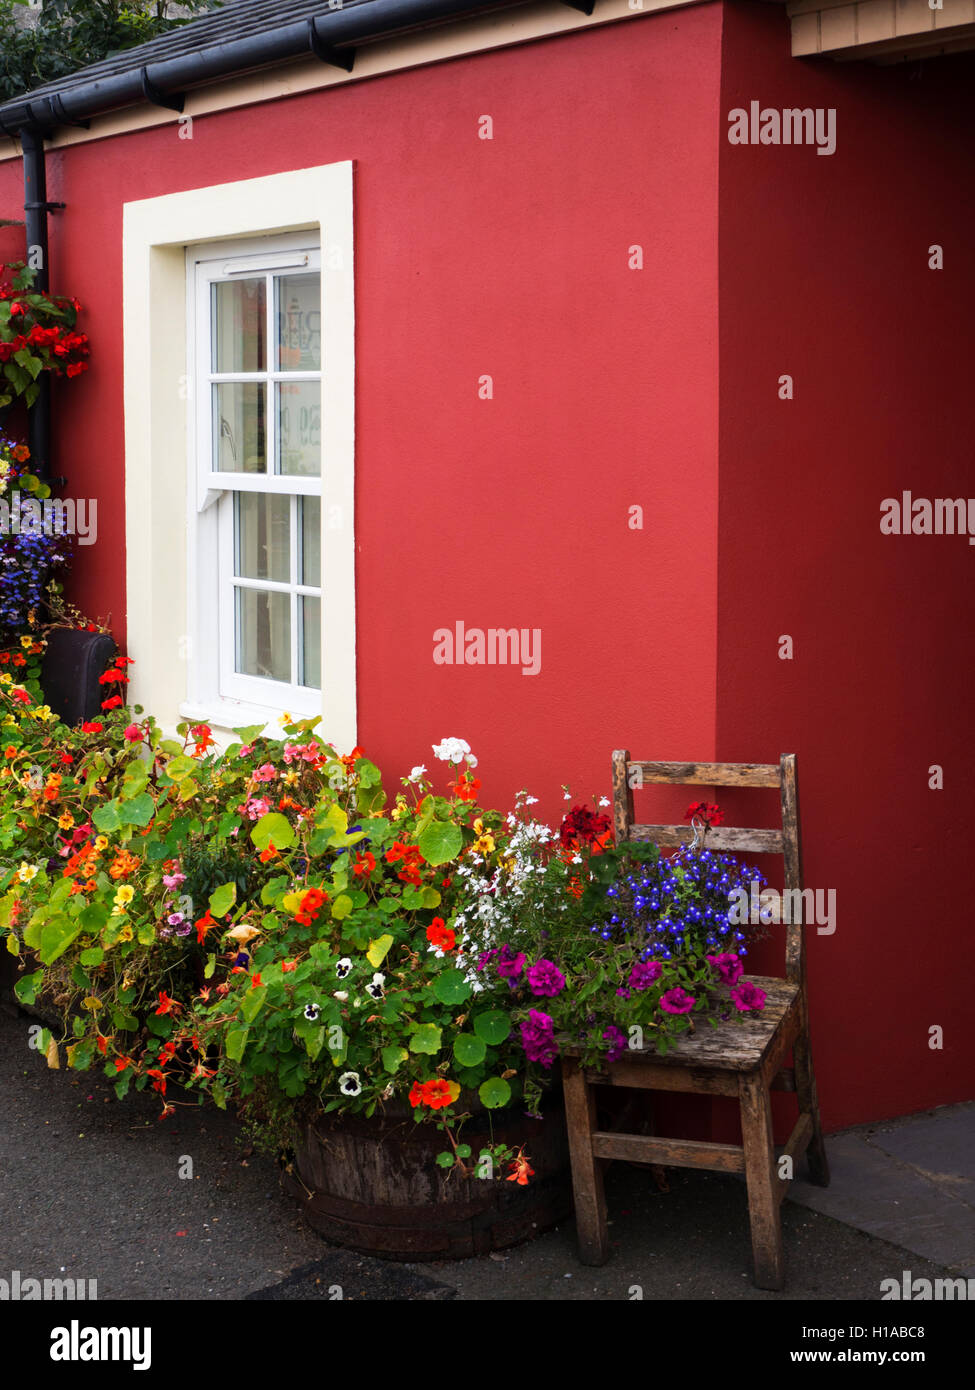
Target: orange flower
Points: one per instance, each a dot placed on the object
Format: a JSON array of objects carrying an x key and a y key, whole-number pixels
[
  {"x": 269, "y": 853},
  {"x": 521, "y": 1171}
]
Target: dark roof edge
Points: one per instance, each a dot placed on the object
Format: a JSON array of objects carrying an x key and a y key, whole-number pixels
[{"x": 169, "y": 77}]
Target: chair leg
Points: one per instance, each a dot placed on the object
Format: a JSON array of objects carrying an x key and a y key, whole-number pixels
[
  {"x": 809, "y": 1103},
  {"x": 762, "y": 1180},
  {"x": 587, "y": 1170}
]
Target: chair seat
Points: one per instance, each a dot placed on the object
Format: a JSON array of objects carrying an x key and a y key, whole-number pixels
[{"x": 738, "y": 1044}]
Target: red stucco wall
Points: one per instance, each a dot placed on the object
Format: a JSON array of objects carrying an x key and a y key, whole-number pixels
[
  {"x": 508, "y": 258},
  {"x": 824, "y": 275}
]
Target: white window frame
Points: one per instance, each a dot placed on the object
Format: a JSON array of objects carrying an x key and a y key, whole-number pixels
[
  {"x": 210, "y": 493},
  {"x": 160, "y": 561}
]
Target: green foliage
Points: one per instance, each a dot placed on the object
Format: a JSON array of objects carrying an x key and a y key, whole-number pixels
[{"x": 71, "y": 34}]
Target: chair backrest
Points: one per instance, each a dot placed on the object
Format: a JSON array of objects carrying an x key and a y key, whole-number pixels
[{"x": 629, "y": 775}]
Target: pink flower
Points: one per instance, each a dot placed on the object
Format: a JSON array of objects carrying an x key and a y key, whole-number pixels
[
  {"x": 728, "y": 966},
  {"x": 133, "y": 733},
  {"x": 748, "y": 998},
  {"x": 677, "y": 1001},
  {"x": 174, "y": 880},
  {"x": 265, "y": 773},
  {"x": 258, "y": 806},
  {"x": 246, "y": 750}
]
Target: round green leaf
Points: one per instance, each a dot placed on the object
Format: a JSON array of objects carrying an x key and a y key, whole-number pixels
[
  {"x": 426, "y": 1038},
  {"x": 273, "y": 829},
  {"x": 469, "y": 1050},
  {"x": 492, "y": 1027},
  {"x": 440, "y": 842},
  {"x": 494, "y": 1093},
  {"x": 450, "y": 987}
]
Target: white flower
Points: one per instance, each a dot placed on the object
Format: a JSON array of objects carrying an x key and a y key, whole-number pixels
[
  {"x": 375, "y": 989},
  {"x": 311, "y": 1012},
  {"x": 341, "y": 995},
  {"x": 343, "y": 968},
  {"x": 26, "y": 872},
  {"x": 416, "y": 773},
  {"x": 604, "y": 801},
  {"x": 454, "y": 750},
  {"x": 349, "y": 1083},
  {"x": 379, "y": 978},
  {"x": 531, "y": 800},
  {"x": 566, "y": 796}
]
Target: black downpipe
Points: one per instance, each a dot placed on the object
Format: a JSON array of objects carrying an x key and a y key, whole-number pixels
[{"x": 35, "y": 215}]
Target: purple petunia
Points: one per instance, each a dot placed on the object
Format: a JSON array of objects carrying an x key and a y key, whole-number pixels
[
  {"x": 510, "y": 965},
  {"x": 545, "y": 978},
  {"x": 728, "y": 966},
  {"x": 644, "y": 974},
  {"x": 677, "y": 1001},
  {"x": 617, "y": 1043},
  {"x": 538, "y": 1039},
  {"x": 748, "y": 998}
]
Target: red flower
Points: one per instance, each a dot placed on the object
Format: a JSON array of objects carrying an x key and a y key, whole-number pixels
[
  {"x": 166, "y": 1005},
  {"x": 102, "y": 1044},
  {"x": 113, "y": 702},
  {"x": 440, "y": 935},
  {"x": 466, "y": 787},
  {"x": 364, "y": 865},
  {"x": 710, "y": 815},
  {"x": 255, "y": 981},
  {"x": 203, "y": 926},
  {"x": 160, "y": 1082},
  {"x": 122, "y": 1062},
  {"x": 436, "y": 1094},
  {"x": 582, "y": 826},
  {"x": 92, "y": 727},
  {"x": 288, "y": 965}
]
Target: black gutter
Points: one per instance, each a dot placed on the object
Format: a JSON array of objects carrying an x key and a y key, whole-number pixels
[
  {"x": 331, "y": 36},
  {"x": 36, "y": 208}
]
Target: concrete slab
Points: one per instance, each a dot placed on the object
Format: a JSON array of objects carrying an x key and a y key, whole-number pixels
[{"x": 910, "y": 1182}]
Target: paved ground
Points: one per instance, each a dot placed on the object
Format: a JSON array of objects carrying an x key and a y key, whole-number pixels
[{"x": 91, "y": 1190}]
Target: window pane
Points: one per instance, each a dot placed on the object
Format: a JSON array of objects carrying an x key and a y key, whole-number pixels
[
  {"x": 299, "y": 323},
  {"x": 300, "y": 428},
  {"x": 263, "y": 634},
  {"x": 239, "y": 427},
  {"x": 239, "y": 312},
  {"x": 310, "y": 610},
  {"x": 262, "y": 536},
  {"x": 310, "y": 567}
]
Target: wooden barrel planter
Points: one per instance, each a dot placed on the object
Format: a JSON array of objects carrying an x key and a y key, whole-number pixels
[{"x": 374, "y": 1185}]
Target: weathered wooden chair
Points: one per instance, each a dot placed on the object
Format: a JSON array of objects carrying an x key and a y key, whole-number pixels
[{"x": 738, "y": 1058}]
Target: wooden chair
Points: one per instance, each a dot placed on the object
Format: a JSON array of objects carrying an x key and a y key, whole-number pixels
[{"x": 738, "y": 1058}]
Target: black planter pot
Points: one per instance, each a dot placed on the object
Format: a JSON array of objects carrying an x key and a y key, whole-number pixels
[{"x": 69, "y": 674}]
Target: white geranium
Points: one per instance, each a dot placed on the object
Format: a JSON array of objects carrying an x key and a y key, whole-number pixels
[{"x": 454, "y": 750}]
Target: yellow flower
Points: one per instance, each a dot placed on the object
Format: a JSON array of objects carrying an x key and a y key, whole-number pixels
[
  {"x": 8, "y": 718},
  {"x": 6, "y": 678},
  {"x": 125, "y": 893},
  {"x": 484, "y": 844},
  {"x": 26, "y": 872},
  {"x": 66, "y": 820},
  {"x": 290, "y": 777},
  {"x": 126, "y": 933},
  {"x": 400, "y": 810},
  {"x": 26, "y": 642},
  {"x": 100, "y": 842},
  {"x": 285, "y": 718}
]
